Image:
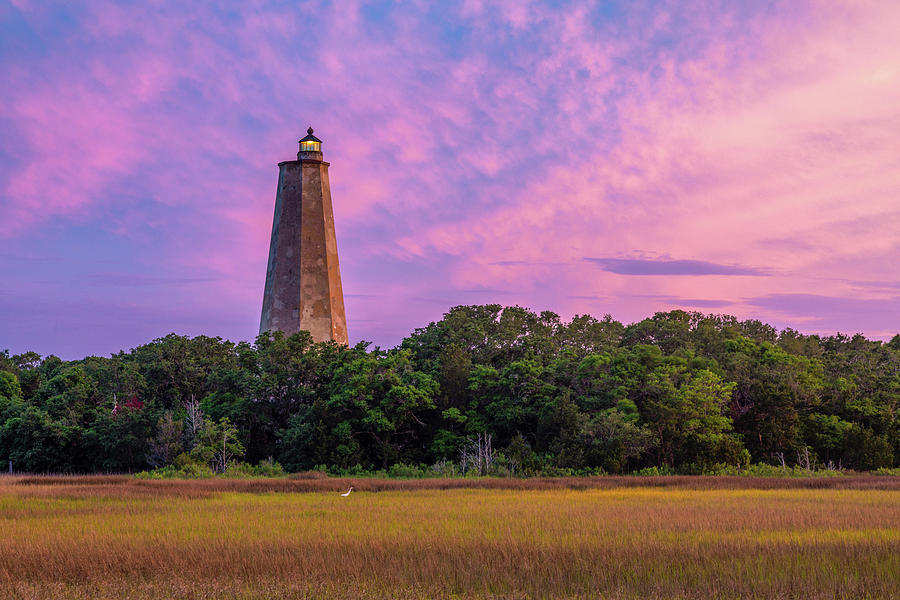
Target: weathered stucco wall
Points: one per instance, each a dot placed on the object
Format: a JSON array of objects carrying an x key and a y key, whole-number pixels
[{"x": 303, "y": 278}]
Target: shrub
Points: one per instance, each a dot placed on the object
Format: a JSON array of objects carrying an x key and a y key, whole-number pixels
[
  {"x": 242, "y": 470},
  {"x": 403, "y": 471},
  {"x": 767, "y": 470},
  {"x": 654, "y": 471},
  {"x": 895, "y": 472},
  {"x": 192, "y": 470},
  {"x": 187, "y": 471},
  {"x": 269, "y": 468},
  {"x": 445, "y": 468}
]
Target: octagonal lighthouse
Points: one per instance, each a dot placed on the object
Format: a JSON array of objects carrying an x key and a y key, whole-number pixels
[{"x": 303, "y": 278}]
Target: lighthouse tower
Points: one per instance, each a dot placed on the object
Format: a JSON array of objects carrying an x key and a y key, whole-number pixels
[{"x": 303, "y": 279}]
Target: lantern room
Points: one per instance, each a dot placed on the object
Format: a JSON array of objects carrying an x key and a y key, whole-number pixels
[{"x": 310, "y": 143}]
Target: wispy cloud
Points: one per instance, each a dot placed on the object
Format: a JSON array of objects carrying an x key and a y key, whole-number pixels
[
  {"x": 135, "y": 280},
  {"x": 829, "y": 313},
  {"x": 638, "y": 266}
]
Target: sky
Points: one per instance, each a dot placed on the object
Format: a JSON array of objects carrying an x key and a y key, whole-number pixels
[{"x": 602, "y": 157}]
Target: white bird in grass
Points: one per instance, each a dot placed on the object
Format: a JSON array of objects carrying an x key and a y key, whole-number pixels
[{"x": 348, "y": 492}]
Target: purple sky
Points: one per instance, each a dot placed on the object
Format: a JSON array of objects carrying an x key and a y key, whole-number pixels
[{"x": 581, "y": 157}]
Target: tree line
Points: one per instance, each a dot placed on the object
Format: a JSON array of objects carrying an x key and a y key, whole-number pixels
[{"x": 484, "y": 387}]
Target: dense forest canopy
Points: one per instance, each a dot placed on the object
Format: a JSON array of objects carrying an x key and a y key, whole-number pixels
[{"x": 682, "y": 391}]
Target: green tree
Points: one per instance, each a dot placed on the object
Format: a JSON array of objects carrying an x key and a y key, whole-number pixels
[
  {"x": 9, "y": 385},
  {"x": 614, "y": 440},
  {"x": 34, "y": 442},
  {"x": 217, "y": 445},
  {"x": 115, "y": 442},
  {"x": 688, "y": 414},
  {"x": 166, "y": 443},
  {"x": 773, "y": 391}
]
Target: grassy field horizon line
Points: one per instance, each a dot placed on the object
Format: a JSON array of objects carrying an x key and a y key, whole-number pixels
[
  {"x": 305, "y": 483},
  {"x": 670, "y": 537}
]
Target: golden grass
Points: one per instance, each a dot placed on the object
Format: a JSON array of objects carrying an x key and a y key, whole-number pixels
[{"x": 687, "y": 538}]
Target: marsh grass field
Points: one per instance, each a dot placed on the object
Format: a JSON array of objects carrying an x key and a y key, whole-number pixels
[{"x": 670, "y": 537}]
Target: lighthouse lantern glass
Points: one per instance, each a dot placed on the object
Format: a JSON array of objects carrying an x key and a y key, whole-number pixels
[{"x": 310, "y": 146}]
